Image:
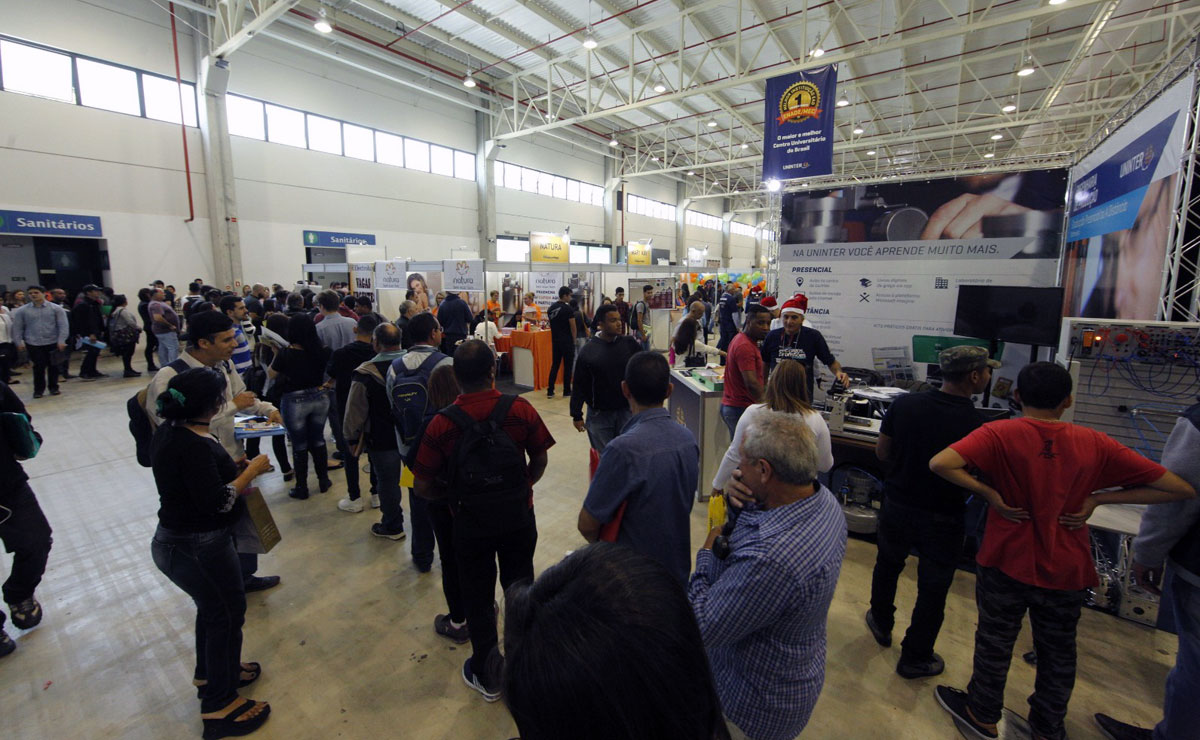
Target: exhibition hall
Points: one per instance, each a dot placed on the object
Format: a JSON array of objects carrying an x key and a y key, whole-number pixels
[{"x": 600, "y": 369}]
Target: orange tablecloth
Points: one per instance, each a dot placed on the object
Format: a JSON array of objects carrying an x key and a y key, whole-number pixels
[
  {"x": 537, "y": 342},
  {"x": 503, "y": 344}
]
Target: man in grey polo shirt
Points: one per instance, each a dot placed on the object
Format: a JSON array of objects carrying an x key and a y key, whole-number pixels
[{"x": 41, "y": 327}]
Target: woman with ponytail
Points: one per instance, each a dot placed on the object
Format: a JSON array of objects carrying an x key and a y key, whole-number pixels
[{"x": 198, "y": 488}]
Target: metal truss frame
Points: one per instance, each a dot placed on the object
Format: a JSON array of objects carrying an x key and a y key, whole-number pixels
[{"x": 1181, "y": 294}]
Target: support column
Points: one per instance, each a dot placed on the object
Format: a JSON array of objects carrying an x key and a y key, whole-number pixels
[
  {"x": 218, "y": 169},
  {"x": 485, "y": 185},
  {"x": 681, "y": 204},
  {"x": 612, "y": 229},
  {"x": 726, "y": 233}
]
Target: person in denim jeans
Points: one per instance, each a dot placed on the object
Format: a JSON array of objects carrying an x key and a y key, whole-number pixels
[
  {"x": 299, "y": 368},
  {"x": 198, "y": 486},
  {"x": 598, "y": 373}
]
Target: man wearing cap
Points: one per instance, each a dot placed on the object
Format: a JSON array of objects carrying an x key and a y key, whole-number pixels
[
  {"x": 794, "y": 341},
  {"x": 87, "y": 322},
  {"x": 773, "y": 306},
  {"x": 922, "y": 511}
]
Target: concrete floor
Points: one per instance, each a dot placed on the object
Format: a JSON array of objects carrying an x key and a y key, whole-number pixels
[{"x": 347, "y": 641}]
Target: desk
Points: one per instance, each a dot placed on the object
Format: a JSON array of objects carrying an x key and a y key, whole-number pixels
[
  {"x": 699, "y": 409},
  {"x": 531, "y": 358}
]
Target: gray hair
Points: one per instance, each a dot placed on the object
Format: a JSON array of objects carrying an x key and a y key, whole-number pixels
[
  {"x": 785, "y": 441},
  {"x": 407, "y": 306}
]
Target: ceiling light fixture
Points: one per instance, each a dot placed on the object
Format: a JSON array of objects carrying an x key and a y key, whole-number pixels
[
  {"x": 842, "y": 102},
  {"x": 1008, "y": 108},
  {"x": 469, "y": 81},
  {"x": 989, "y": 155},
  {"x": 612, "y": 141},
  {"x": 870, "y": 152},
  {"x": 997, "y": 137},
  {"x": 1057, "y": 2},
  {"x": 817, "y": 53},
  {"x": 659, "y": 87},
  {"x": 712, "y": 123},
  {"x": 589, "y": 41},
  {"x": 654, "y": 159},
  {"x": 773, "y": 185},
  {"x": 745, "y": 145},
  {"x": 858, "y": 130},
  {"x": 322, "y": 24},
  {"x": 1026, "y": 67},
  {"x": 690, "y": 173}
]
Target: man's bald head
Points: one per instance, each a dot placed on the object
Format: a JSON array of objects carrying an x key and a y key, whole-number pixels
[{"x": 386, "y": 337}]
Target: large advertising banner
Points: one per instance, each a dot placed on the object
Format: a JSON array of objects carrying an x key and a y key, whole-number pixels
[
  {"x": 881, "y": 265},
  {"x": 1119, "y": 222},
  {"x": 638, "y": 253},
  {"x": 554, "y": 248},
  {"x": 424, "y": 287},
  {"x": 462, "y": 275},
  {"x": 798, "y": 128}
]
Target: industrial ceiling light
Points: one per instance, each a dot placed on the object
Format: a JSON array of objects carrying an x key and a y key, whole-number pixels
[
  {"x": 997, "y": 136},
  {"x": 858, "y": 130},
  {"x": 870, "y": 152},
  {"x": 712, "y": 123},
  {"x": 773, "y": 185},
  {"x": 1057, "y": 2},
  {"x": 1008, "y": 107},
  {"x": 989, "y": 155},
  {"x": 1027, "y": 67},
  {"x": 745, "y": 145},
  {"x": 690, "y": 173},
  {"x": 589, "y": 41},
  {"x": 469, "y": 81},
  {"x": 612, "y": 141},
  {"x": 817, "y": 53},
  {"x": 659, "y": 87},
  {"x": 322, "y": 23},
  {"x": 842, "y": 102},
  {"x": 654, "y": 158}
]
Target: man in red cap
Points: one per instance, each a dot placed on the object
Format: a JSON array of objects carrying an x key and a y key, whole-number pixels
[{"x": 798, "y": 342}]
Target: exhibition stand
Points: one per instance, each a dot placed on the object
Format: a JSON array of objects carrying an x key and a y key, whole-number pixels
[{"x": 698, "y": 407}]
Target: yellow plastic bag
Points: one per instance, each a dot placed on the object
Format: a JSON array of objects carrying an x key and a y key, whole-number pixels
[
  {"x": 716, "y": 512},
  {"x": 406, "y": 477}
]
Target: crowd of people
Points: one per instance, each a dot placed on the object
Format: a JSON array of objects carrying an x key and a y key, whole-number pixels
[{"x": 636, "y": 634}]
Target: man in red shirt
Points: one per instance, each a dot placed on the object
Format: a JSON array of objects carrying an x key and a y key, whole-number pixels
[
  {"x": 744, "y": 380},
  {"x": 492, "y": 498},
  {"x": 1036, "y": 551}
]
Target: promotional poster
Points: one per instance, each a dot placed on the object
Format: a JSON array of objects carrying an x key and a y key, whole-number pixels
[
  {"x": 545, "y": 288},
  {"x": 425, "y": 287},
  {"x": 554, "y": 248},
  {"x": 362, "y": 279},
  {"x": 462, "y": 275},
  {"x": 798, "y": 124},
  {"x": 881, "y": 265},
  {"x": 638, "y": 253},
  {"x": 1119, "y": 225}
]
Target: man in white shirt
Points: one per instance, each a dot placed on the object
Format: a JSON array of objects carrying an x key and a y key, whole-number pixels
[{"x": 489, "y": 329}]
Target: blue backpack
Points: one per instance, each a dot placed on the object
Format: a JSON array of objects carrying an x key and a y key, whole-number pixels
[{"x": 408, "y": 396}]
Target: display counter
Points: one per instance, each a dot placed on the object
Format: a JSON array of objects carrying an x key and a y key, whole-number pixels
[
  {"x": 531, "y": 358},
  {"x": 698, "y": 408}
]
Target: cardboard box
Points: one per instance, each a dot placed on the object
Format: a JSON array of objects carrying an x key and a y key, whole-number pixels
[{"x": 256, "y": 532}]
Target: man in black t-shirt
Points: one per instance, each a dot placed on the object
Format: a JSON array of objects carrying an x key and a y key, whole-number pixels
[
  {"x": 794, "y": 341},
  {"x": 562, "y": 341},
  {"x": 922, "y": 511}
]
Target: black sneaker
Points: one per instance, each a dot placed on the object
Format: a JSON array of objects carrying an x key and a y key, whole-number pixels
[
  {"x": 1114, "y": 730},
  {"x": 881, "y": 637},
  {"x": 55, "y": 392},
  {"x": 954, "y": 701},
  {"x": 474, "y": 682},
  {"x": 26, "y": 614},
  {"x": 260, "y": 583},
  {"x": 550, "y": 394},
  {"x": 300, "y": 493},
  {"x": 444, "y": 627},
  {"x": 932, "y": 666},
  {"x": 7, "y": 644},
  {"x": 37, "y": 395},
  {"x": 378, "y": 530},
  {"x": 132, "y": 374}
]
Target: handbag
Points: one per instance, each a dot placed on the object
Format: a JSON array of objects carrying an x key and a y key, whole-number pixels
[
  {"x": 120, "y": 333},
  {"x": 695, "y": 359},
  {"x": 255, "y": 530},
  {"x": 20, "y": 436}
]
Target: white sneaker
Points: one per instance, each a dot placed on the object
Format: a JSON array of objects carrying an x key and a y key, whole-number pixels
[
  {"x": 374, "y": 500},
  {"x": 353, "y": 505}
]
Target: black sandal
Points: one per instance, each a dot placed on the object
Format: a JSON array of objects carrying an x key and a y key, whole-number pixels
[{"x": 228, "y": 726}]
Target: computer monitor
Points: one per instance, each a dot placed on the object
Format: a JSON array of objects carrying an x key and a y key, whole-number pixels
[{"x": 1009, "y": 313}]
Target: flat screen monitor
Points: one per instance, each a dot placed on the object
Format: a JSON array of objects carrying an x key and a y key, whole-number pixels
[{"x": 1009, "y": 313}]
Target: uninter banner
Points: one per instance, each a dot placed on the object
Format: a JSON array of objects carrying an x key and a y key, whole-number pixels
[
  {"x": 798, "y": 128},
  {"x": 462, "y": 275},
  {"x": 49, "y": 224},
  {"x": 1120, "y": 218},
  {"x": 544, "y": 247}
]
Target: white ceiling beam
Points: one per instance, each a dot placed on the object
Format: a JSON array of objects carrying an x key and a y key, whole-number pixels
[{"x": 237, "y": 34}]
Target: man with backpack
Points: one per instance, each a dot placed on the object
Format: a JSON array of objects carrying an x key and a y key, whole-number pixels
[
  {"x": 639, "y": 317},
  {"x": 474, "y": 456},
  {"x": 408, "y": 397}
]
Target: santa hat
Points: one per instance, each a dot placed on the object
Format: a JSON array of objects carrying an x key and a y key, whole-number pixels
[
  {"x": 797, "y": 304},
  {"x": 768, "y": 302}
]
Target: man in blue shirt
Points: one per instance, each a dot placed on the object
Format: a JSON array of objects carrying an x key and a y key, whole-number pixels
[
  {"x": 41, "y": 327},
  {"x": 762, "y": 599},
  {"x": 647, "y": 475},
  {"x": 455, "y": 317}
]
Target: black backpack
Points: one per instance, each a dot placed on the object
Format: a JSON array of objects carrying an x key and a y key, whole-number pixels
[
  {"x": 489, "y": 483},
  {"x": 140, "y": 425}
]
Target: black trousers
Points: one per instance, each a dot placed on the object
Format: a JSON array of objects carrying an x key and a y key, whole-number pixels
[
  {"x": 564, "y": 354},
  {"x": 90, "y": 356},
  {"x": 126, "y": 354},
  {"x": 478, "y": 553},
  {"x": 8, "y": 358},
  {"x": 443, "y": 531},
  {"x": 151, "y": 349},
  {"x": 204, "y": 565},
  {"x": 26, "y": 534},
  {"x": 450, "y": 342},
  {"x": 937, "y": 540},
  {"x": 40, "y": 355},
  {"x": 1053, "y": 617}
]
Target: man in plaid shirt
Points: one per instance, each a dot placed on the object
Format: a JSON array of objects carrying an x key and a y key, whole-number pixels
[{"x": 762, "y": 608}]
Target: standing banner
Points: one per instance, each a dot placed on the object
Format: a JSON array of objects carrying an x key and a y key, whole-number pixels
[
  {"x": 389, "y": 275},
  {"x": 798, "y": 128},
  {"x": 362, "y": 279},
  {"x": 545, "y": 247},
  {"x": 545, "y": 288},
  {"x": 638, "y": 253},
  {"x": 1120, "y": 218},
  {"x": 462, "y": 275}
]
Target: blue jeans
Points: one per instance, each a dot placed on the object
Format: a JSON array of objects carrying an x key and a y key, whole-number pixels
[
  {"x": 168, "y": 348},
  {"x": 304, "y": 414},
  {"x": 604, "y": 426},
  {"x": 1181, "y": 715},
  {"x": 204, "y": 565},
  {"x": 730, "y": 415}
]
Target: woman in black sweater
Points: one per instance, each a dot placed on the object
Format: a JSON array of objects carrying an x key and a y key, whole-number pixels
[
  {"x": 198, "y": 488},
  {"x": 298, "y": 371}
]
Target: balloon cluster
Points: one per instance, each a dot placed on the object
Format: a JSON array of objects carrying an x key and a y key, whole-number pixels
[{"x": 747, "y": 281}]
